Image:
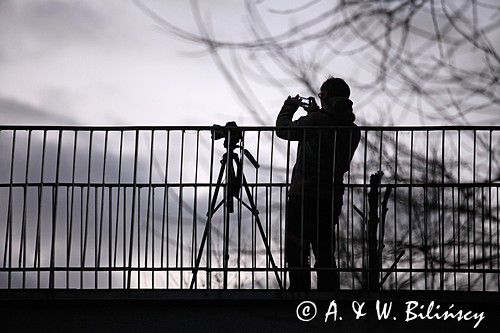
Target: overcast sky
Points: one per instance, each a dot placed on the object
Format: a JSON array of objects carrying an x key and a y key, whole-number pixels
[
  {"x": 105, "y": 62},
  {"x": 98, "y": 62}
]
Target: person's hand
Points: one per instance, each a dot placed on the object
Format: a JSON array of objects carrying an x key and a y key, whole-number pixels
[
  {"x": 313, "y": 106},
  {"x": 293, "y": 101}
]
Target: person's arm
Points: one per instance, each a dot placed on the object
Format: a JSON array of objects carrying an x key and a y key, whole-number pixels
[{"x": 288, "y": 129}]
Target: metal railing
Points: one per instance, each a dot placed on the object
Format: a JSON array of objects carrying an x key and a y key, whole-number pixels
[{"x": 127, "y": 207}]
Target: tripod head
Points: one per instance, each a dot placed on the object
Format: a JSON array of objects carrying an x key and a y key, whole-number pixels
[
  {"x": 232, "y": 137},
  {"x": 230, "y": 132}
]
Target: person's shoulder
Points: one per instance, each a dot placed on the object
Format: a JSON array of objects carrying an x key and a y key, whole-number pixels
[{"x": 315, "y": 118}]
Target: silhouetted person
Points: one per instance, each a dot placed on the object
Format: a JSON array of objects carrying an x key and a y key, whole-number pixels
[{"x": 316, "y": 193}]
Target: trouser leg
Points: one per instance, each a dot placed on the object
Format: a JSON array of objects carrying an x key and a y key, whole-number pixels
[
  {"x": 297, "y": 245},
  {"x": 324, "y": 244}
]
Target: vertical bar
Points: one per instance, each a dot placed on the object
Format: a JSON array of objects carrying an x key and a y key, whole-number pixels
[
  {"x": 194, "y": 242},
  {"x": 8, "y": 231},
  {"x": 209, "y": 221},
  {"x": 318, "y": 172},
  {"x": 139, "y": 271},
  {"x": 349, "y": 218},
  {"x": 22, "y": 246},
  {"x": 489, "y": 200},
  {"x": 270, "y": 237},
  {"x": 179, "y": 256},
  {"x": 103, "y": 185},
  {"x": 459, "y": 192},
  {"x": 396, "y": 209},
  {"x": 474, "y": 198},
  {"x": 426, "y": 221},
  {"x": 54, "y": 215},
  {"x": 39, "y": 210},
  {"x": 71, "y": 209},
  {"x": 441, "y": 252},
  {"x": 410, "y": 211},
  {"x": 287, "y": 183},
  {"x": 254, "y": 219},
  {"x": 84, "y": 250},
  {"x": 332, "y": 202},
  {"x": 119, "y": 187},
  {"x": 165, "y": 210},
  {"x": 148, "y": 211},
  {"x": 110, "y": 236},
  {"x": 365, "y": 214},
  {"x": 240, "y": 167},
  {"x": 132, "y": 215}
]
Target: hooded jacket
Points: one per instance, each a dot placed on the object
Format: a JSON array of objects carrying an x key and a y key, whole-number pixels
[{"x": 323, "y": 154}]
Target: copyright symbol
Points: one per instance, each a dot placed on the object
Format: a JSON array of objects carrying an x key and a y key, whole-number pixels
[{"x": 306, "y": 311}]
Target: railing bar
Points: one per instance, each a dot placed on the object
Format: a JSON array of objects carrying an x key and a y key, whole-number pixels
[
  {"x": 148, "y": 209},
  {"x": 110, "y": 236},
  {"x": 139, "y": 200},
  {"x": 240, "y": 203},
  {"x": 124, "y": 244},
  {"x": 426, "y": 259},
  {"x": 335, "y": 231},
  {"x": 71, "y": 208},
  {"x": 380, "y": 240},
  {"x": 89, "y": 159},
  {"x": 498, "y": 240},
  {"x": 365, "y": 213},
  {"x": 410, "y": 210},
  {"x": 164, "y": 226},
  {"x": 244, "y": 269},
  {"x": 443, "y": 205},
  {"x": 301, "y": 145},
  {"x": 39, "y": 209},
  {"x": 474, "y": 198},
  {"x": 132, "y": 215},
  {"x": 261, "y": 184},
  {"x": 101, "y": 219},
  {"x": 54, "y": 213},
  {"x": 395, "y": 208},
  {"x": 489, "y": 196},
  {"x": 210, "y": 212},
  {"x": 483, "y": 254},
  {"x": 349, "y": 217},
  {"x": 22, "y": 246},
  {"x": 244, "y": 128},
  {"x": 459, "y": 228},
  {"x": 194, "y": 243},
  {"x": 179, "y": 254},
  {"x": 8, "y": 230}
]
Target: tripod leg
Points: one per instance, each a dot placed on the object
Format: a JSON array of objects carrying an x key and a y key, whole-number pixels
[
  {"x": 211, "y": 212},
  {"x": 261, "y": 230},
  {"x": 229, "y": 195}
]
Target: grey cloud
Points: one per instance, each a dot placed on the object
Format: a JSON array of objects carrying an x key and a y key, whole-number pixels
[
  {"x": 32, "y": 27},
  {"x": 14, "y": 112}
]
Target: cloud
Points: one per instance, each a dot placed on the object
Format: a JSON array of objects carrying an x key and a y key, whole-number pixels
[
  {"x": 14, "y": 112},
  {"x": 31, "y": 27}
]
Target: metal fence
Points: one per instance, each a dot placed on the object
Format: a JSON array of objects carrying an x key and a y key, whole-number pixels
[{"x": 127, "y": 207}]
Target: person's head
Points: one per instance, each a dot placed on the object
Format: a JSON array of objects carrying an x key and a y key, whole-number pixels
[{"x": 333, "y": 87}]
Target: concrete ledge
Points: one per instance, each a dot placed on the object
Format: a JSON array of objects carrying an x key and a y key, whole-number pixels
[{"x": 235, "y": 311}]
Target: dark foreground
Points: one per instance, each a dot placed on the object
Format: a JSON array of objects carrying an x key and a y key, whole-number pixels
[{"x": 244, "y": 311}]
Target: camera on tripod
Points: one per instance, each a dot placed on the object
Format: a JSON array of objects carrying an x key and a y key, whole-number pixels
[
  {"x": 229, "y": 131},
  {"x": 234, "y": 186}
]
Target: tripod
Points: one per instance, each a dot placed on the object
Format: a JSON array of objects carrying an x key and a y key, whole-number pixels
[{"x": 233, "y": 187}]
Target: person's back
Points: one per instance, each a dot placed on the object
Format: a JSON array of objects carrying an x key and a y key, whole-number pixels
[{"x": 326, "y": 146}]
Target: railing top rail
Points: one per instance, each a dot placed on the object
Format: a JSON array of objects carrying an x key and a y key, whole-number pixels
[{"x": 245, "y": 128}]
